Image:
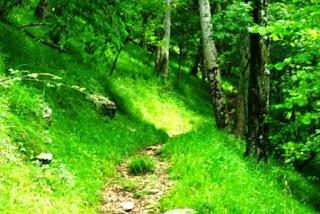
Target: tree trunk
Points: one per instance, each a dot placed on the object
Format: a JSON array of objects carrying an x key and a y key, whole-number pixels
[
  {"x": 162, "y": 64},
  {"x": 195, "y": 66},
  {"x": 41, "y": 9},
  {"x": 210, "y": 55},
  {"x": 115, "y": 61},
  {"x": 241, "y": 129},
  {"x": 259, "y": 86},
  {"x": 180, "y": 63}
]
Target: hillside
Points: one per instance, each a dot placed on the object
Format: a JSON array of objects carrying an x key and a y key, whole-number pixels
[{"x": 207, "y": 164}]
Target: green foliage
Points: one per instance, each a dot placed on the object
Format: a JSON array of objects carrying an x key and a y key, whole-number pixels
[
  {"x": 230, "y": 26},
  {"x": 295, "y": 112},
  {"x": 2, "y": 63},
  {"x": 141, "y": 165}
]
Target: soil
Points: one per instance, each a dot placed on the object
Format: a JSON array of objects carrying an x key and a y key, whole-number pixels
[{"x": 137, "y": 194}]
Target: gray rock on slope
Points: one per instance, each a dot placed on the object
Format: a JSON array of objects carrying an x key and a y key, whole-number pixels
[
  {"x": 128, "y": 206},
  {"x": 45, "y": 158}
]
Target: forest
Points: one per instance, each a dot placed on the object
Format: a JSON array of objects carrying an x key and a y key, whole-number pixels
[{"x": 159, "y": 106}]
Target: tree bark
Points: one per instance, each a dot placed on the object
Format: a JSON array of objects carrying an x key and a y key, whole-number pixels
[
  {"x": 181, "y": 54},
  {"x": 195, "y": 66},
  {"x": 162, "y": 63},
  {"x": 212, "y": 66},
  {"x": 241, "y": 129},
  {"x": 259, "y": 86},
  {"x": 115, "y": 61}
]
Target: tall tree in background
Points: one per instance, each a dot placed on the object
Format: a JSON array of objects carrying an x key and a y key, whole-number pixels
[
  {"x": 259, "y": 85},
  {"x": 243, "y": 87},
  {"x": 162, "y": 63},
  {"x": 212, "y": 66}
]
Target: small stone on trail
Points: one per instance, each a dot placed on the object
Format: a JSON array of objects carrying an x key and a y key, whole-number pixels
[
  {"x": 49, "y": 141},
  {"x": 181, "y": 211},
  {"x": 45, "y": 158},
  {"x": 127, "y": 206},
  {"x": 154, "y": 191}
]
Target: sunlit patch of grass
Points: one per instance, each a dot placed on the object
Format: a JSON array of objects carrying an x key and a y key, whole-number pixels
[
  {"x": 148, "y": 98},
  {"x": 152, "y": 105}
]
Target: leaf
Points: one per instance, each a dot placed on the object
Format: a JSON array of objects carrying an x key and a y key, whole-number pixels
[
  {"x": 50, "y": 85},
  {"x": 288, "y": 105},
  {"x": 279, "y": 66},
  {"x": 82, "y": 89},
  {"x": 275, "y": 38},
  {"x": 306, "y": 119},
  {"x": 253, "y": 29},
  {"x": 301, "y": 101},
  {"x": 289, "y": 115}
]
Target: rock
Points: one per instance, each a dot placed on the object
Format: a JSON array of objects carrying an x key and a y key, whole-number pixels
[
  {"x": 181, "y": 211},
  {"x": 103, "y": 105},
  {"x": 47, "y": 114},
  {"x": 127, "y": 206},
  {"x": 154, "y": 191},
  {"x": 45, "y": 158},
  {"x": 154, "y": 150},
  {"x": 49, "y": 141}
]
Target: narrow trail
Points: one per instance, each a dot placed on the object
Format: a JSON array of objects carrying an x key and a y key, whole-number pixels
[{"x": 127, "y": 193}]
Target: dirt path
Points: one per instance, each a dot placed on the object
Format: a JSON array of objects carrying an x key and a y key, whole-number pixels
[{"x": 137, "y": 194}]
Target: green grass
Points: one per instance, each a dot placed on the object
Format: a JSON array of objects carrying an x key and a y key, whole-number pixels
[
  {"x": 141, "y": 165},
  {"x": 174, "y": 109},
  {"x": 213, "y": 177},
  {"x": 86, "y": 146},
  {"x": 211, "y": 174}
]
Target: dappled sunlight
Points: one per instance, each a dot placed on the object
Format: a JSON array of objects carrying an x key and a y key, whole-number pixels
[
  {"x": 168, "y": 116},
  {"x": 149, "y": 100},
  {"x": 150, "y": 103}
]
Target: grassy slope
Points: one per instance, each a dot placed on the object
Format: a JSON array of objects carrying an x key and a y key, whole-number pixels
[
  {"x": 218, "y": 179},
  {"x": 86, "y": 147}
]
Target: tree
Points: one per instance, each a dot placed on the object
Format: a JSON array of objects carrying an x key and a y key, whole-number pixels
[
  {"x": 243, "y": 86},
  {"x": 259, "y": 85},
  {"x": 162, "y": 64},
  {"x": 212, "y": 66},
  {"x": 198, "y": 60}
]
